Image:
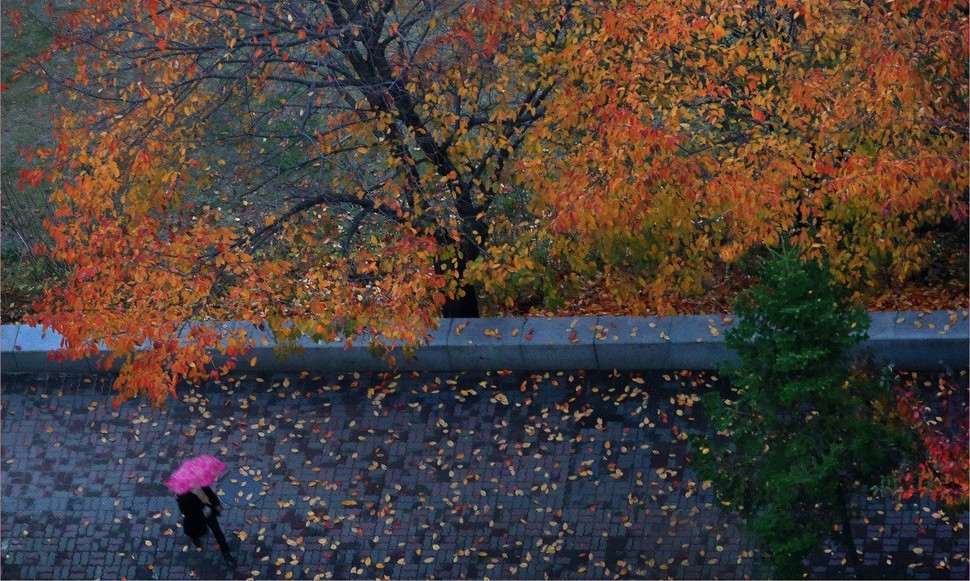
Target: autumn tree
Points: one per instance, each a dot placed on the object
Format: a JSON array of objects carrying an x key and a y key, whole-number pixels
[
  {"x": 692, "y": 132},
  {"x": 348, "y": 167},
  {"x": 328, "y": 168}
]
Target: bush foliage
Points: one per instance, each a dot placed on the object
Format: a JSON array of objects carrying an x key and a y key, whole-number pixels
[{"x": 806, "y": 430}]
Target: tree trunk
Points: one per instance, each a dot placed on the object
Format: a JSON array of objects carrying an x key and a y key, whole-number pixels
[
  {"x": 848, "y": 539},
  {"x": 462, "y": 307},
  {"x": 465, "y": 306}
]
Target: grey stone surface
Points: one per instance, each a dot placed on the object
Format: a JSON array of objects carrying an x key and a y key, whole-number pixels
[
  {"x": 632, "y": 342},
  {"x": 434, "y": 355},
  {"x": 697, "y": 341},
  {"x": 326, "y": 355},
  {"x": 98, "y": 362},
  {"x": 336, "y": 355},
  {"x": 8, "y": 338},
  {"x": 32, "y": 347},
  {"x": 262, "y": 337},
  {"x": 881, "y": 336},
  {"x": 559, "y": 343},
  {"x": 918, "y": 341},
  {"x": 493, "y": 343},
  {"x": 263, "y": 348}
]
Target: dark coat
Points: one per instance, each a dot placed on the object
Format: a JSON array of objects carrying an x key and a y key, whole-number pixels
[{"x": 194, "y": 523}]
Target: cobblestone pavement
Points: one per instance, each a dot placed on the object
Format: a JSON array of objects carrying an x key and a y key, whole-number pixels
[{"x": 362, "y": 476}]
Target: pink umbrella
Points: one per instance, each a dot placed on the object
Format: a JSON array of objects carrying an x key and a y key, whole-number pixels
[{"x": 195, "y": 473}]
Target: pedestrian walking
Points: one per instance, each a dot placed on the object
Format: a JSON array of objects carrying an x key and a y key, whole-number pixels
[{"x": 200, "y": 506}]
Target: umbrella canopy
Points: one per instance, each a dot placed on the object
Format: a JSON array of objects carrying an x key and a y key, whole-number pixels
[{"x": 195, "y": 473}]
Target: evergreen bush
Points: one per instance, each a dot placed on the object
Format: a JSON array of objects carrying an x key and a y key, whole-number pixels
[{"x": 803, "y": 434}]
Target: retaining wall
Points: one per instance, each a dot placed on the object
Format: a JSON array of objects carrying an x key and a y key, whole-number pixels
[{"x": 911, "y": 340}]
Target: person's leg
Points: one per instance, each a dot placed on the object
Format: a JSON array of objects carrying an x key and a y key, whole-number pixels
[
  {"x": 197, "y": 541},
  {"x": 220, "y": 537}
]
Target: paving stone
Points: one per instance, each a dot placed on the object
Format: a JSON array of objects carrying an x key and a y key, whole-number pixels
[{"x": 480, "y": 471}]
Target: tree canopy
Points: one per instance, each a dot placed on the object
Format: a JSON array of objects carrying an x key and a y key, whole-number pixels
[{"x": 341, "y": 167}]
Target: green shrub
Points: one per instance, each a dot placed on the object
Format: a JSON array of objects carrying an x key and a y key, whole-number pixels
[{"x": 803, "y": 434}]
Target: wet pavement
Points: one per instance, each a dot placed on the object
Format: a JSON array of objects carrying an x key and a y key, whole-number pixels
[{"x": 497, "y": 475}]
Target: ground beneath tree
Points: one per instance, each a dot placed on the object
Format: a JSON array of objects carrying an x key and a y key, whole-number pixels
[
  {"x": 493, "y": 475},
  {"x": 596, "y": 299}
]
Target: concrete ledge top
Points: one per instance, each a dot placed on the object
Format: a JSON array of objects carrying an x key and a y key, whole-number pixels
[{"x": 911, "y": 340}]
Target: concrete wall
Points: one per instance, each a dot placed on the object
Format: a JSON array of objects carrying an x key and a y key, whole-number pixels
[{"x": 911, "y": 340}]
